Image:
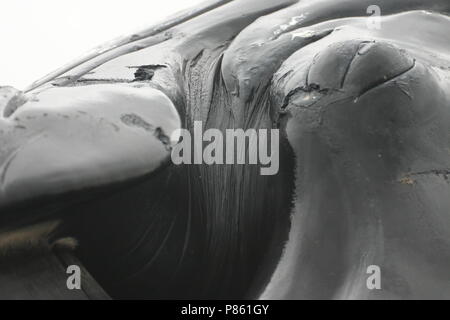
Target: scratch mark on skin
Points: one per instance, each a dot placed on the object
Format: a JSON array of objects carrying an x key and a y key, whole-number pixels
[
  {"x": 404, "y": 90},
  {"x": 162, "y": 136},
  {"x": 133, "y": 120},
  {"x": 383, "y": 81}
]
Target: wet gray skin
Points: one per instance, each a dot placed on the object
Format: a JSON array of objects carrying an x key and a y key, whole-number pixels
[{"x": 365, "y": 153}]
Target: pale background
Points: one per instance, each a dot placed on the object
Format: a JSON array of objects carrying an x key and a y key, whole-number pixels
[{"x": 39, "y": 36}]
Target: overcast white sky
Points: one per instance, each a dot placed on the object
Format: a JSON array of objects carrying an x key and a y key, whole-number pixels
[{"x": 39, "y": 36}]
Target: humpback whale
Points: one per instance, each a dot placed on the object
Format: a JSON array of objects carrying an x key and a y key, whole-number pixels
[{"x": 363, "y": 115}]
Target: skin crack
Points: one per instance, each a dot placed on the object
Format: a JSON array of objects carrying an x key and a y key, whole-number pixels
[{"x": 313, "y": 87}]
